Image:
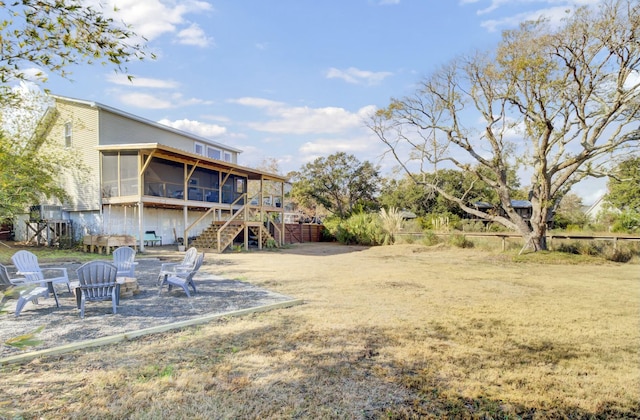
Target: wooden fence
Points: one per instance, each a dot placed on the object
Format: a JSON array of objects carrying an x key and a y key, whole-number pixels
[
  {"x": 615, "y": 239},
  {"x": 302, "y": 232}
]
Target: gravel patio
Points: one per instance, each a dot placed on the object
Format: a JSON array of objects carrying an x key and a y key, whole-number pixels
[{"x": 145, "y": 309}]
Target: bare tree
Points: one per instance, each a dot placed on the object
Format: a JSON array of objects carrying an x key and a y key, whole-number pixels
[{"x": 558, "y": 103}]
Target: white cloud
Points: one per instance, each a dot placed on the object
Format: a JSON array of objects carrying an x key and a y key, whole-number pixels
[
  {"x": 219, "y": 118},
  {"x": 34, "y": 74},
  {"x": 148, "y": 101},
  {"x": 181, "y": 101},
  {"x": 554, "y": 13},
  {"x": 144, "y": 100},
  {"x": 194, "y": 35},
  {"x": 143, "y": 82},
  {"x": 196, "y": 127},
  {"x": 257, "y": 102},
  {"x": 323, "y": 147},
  {"x": 303, "y": 120},
  {"x": 357, "y": 76},
  {"x": 153, "y": 18},
  {"x": 385, "y": 2}
]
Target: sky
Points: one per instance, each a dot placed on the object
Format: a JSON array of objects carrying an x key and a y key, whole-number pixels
[{"x": 293, "y": 80}]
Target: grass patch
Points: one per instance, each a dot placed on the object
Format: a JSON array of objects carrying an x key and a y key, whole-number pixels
[{"x": 403, "y": 331}]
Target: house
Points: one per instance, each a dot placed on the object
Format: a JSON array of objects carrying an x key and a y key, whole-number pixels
[
  {"x": 599, "y": 207},
  {"x": 140, "y": 176},
  {"x": 522, "y": 207}
]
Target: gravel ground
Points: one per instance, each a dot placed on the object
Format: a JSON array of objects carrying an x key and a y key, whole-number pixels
[{"x": 145, "y": 309}]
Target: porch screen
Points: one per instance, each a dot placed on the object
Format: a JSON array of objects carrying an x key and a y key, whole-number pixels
[
  {"x": 164, "y": 178},
  {"x": 110, "y": 175},
  {"x": 128, "y": 173}
]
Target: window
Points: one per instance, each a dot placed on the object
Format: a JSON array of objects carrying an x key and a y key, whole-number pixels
[
  {"x": 227, "y": 157},
  {"x": 67, "y": 134},
  {"x": 198, "y": 148},
  {"x": 240, "y": 185},
  {"x": 213, "y": 153}
]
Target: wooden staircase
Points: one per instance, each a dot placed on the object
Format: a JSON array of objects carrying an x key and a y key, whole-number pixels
[
  {"x": 228, "y": 231},
  {"x": 263, "y": 233},
  {"x": 208, "y": 239}
]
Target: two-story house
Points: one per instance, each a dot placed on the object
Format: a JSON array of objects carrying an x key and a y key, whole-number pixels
[{"x": 139, "y": 176}]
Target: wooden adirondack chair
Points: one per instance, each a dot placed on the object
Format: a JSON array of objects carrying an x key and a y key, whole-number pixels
[
  {"x": 124, "y": 259},
  {"x": 26, "y": 292},
  {"x": 97, "y": 282},
  {"x": 27, "y": 265},
  {"x": 183, "y": 279}
]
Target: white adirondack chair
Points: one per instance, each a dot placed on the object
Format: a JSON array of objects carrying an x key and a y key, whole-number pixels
[
  {"x": 26, "y": 292},
  {"x": 124, "y": 259},
  {"x": 183, "y": 279},
  {"x": 27, "y": 265},
  {"x": 97, "y": 281},
  {"x": 171, "y": 269}
]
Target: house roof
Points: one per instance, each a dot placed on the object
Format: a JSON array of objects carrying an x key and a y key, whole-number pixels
[
  {"x": 163, "y": 151},
  {"x": 142, "y": 120},
  {"x": 517, "y": 204}
]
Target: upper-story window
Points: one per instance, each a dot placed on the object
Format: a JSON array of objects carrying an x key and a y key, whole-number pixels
[
  {"x": 213, "y": 153},
  {"x": 198, "y": 149},
  {"x": 227, "y": 157},
  {"x": 67, "y": 134}
]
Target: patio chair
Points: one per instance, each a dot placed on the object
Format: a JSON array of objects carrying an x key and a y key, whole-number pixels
[
  {"x": 171, "y": 269},
  {"x": 26, "y": 292},
  {"x": 183, "y": 279},
  {"x": 124, "y": 260},
  {"x": 27, "y": 265},
  {"x": 97, "y": 281}
]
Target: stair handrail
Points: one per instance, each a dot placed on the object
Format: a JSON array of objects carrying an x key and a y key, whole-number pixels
[
  {"x": 275, "y": 226},
  {"x": 233, "y": 217}
]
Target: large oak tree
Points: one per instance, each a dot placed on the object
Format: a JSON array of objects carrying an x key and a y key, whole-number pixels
[
  {"x": 560, "y": 103},
  {"x": 339, "y": 182}
]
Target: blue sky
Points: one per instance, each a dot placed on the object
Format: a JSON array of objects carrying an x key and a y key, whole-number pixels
[{"x": 293, "y": 79}]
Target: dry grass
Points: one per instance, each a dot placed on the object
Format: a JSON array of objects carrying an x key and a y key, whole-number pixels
[{"x": 400, "y": 332}]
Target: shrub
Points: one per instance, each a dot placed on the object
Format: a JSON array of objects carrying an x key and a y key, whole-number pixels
[
  {"x": 460, "y": 241},
  {"x": 618, "y": 255},
  {"x": 440, "y": 221},
  {"x": 469, "y": 225},
  {"x": 628, "y": 222},
  {"x": 430, "y": 239},
  {"x": 360, "y": 228},
  {"x": 391, "y": 222}
]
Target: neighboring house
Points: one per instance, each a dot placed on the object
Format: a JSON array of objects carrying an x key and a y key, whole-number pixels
[
  {"x": 522, "y": 207},
  {"x": 599, "y": 207},
  {"x": 139, "y": 176}
]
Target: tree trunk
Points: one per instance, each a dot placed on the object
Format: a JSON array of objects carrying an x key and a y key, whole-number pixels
[
  {"x": 537, "y": 242},
  {"x": 537, "y": 238}
]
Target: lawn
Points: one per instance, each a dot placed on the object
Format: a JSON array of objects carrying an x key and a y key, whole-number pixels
[{"x": 401, "y": 331}]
